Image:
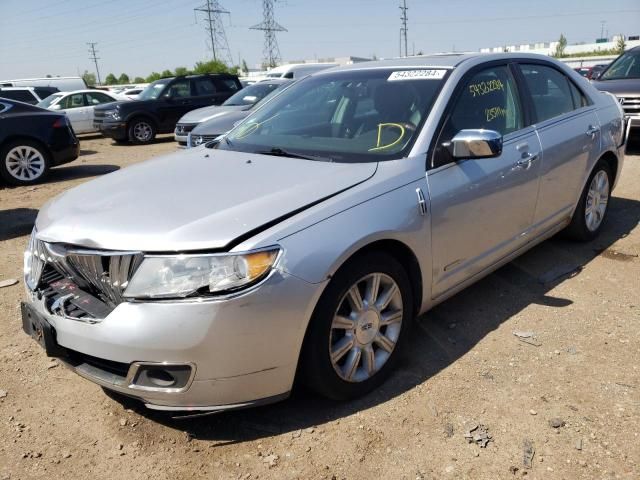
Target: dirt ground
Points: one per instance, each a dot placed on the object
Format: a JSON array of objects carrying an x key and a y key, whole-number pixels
[{"x": 580, "y": 371}]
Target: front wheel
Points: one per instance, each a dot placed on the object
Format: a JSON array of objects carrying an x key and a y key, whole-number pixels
[
  {"x": 23, "y": 162},
  {"x": 593, "y": 205},
  {"x": 141, "y": 131},
  {"x": 359, "y": 328}
]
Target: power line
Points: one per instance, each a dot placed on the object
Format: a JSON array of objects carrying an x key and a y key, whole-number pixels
[
  {"x": 219, "y": 44},
  {"x": 269, "y": 26},
  {"x": 92, "y": 56},
  {"x": 403, "y": 28}
]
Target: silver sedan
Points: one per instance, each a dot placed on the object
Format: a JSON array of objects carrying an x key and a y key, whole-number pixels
[{"x": 308, "y": 238}]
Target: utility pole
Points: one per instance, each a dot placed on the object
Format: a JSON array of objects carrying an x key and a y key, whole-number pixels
[
  {"x": 218, "y": 37},
  {"x": 403, "y": 29},
  {"x": 269, "y": 26},
  {"x": 92, "y": 56},
  {"x": 602, "y": 24}
]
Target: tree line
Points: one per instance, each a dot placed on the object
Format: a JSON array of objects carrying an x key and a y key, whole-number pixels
[{"x": 210, "y": 66}]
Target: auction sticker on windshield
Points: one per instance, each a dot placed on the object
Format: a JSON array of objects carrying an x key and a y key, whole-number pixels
[{"x": 417, "y": 75}]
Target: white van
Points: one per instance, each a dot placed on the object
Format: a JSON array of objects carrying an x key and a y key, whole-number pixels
[
  {"x": 63, "y": 84},
  {"x": 297, "y": 70}
]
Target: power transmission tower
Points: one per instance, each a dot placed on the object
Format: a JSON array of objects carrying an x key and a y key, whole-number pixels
[
  {"x": 269, "y": 26},
  {"x": 92, "y": 56},
  {"x": 403, "y": 29},
  {"x": 219, "y": 44}
]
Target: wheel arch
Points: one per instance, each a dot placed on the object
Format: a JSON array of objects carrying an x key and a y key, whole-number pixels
[
  {"x": 16, "y": 137},
  {"x": 612, "y": 160},
  {"x": 141, "y": 114}
]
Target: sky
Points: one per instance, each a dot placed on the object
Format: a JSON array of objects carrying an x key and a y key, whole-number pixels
[{"x": 40, "y": 37}]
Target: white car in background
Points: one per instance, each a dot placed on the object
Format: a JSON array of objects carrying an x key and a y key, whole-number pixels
[
  {"x": 131, "y": 93},
  {"x": 78, "y": 105}
]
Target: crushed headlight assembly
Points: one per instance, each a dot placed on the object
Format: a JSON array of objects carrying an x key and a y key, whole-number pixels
[{"x": 179, "y": 276}]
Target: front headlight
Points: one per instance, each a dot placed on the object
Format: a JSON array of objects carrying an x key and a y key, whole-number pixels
[
  {"x": 179, "y": 276},
  {"x": 112, "y": 114}
]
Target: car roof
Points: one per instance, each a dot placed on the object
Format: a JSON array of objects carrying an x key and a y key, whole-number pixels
[
  {"x": 445, "y": 60},
  {"x": 86, "y": 90}
]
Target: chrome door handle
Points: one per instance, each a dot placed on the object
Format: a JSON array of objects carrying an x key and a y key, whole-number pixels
[
  {"x": 591, "y": 131},
  {"x": 526, "y": 161}
]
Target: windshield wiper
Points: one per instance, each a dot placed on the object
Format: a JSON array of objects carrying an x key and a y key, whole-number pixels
[{"x": 279, "y": 152}]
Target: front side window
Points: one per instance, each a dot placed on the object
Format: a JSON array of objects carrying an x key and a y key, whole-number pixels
[
  {"x": 550, "y": 91},
  {"x": 488, "y": 100},
  {"x": 179, "y": 89},
  {"x": 349, "y": 116},
  {"x": 72, "y": 101},
  {"x": 626, "y": 65},
  {"x": 154, "y": 90}
]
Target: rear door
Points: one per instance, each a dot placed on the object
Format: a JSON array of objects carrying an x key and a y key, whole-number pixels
[
  {"x": 569, "y": 131},
  {"x": 78, "y": 112},
  {"x": 482, "y": 209}
]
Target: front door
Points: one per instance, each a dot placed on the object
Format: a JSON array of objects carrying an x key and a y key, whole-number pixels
[
  {"x": 77, "y": 112},
  {"x": 482, "y": 209},
  {"x": 177, "y": 100}
]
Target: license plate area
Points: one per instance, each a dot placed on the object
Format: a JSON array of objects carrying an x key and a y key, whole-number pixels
[{"x": 41, "y": 331}]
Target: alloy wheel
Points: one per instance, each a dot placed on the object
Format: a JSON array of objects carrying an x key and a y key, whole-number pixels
[
  {"x": 366, "y": 327},
  {"x": 25, "y": 163},
  {"x": 142, "y": 131},
  {"x": 597, "y": 200}
]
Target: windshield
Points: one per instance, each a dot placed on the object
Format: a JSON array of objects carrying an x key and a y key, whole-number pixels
[
  {"x": 46, "y": 103},
  {"x": 252, "y": 94},
  {"x": 154, "y": 90},
  {"x": 626, "y": 65},
  {"x": 349, "y": 116}
]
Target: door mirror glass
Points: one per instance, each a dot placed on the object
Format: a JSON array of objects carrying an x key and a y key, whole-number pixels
[
  {"x": 476, "y": 144},
  {"x": 55, "y": 107}
]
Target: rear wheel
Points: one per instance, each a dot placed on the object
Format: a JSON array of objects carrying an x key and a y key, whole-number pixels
[
  {"x": 593, "y": 205},
  {"x": 359, "y": 328},
  {"x": 141, "y": 131},
  {"x": 23, "y": 162}
]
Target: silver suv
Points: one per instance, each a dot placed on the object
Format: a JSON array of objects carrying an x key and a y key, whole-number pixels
[{"x": 309, "y": 237}]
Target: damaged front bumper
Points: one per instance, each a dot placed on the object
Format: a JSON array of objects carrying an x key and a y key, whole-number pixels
[{"x": 197, "y": 354}]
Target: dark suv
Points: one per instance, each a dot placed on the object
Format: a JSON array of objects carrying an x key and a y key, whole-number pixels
[{"x": 161, "y": 104}]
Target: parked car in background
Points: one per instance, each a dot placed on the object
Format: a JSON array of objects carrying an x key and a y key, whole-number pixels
[
  {"x": 160, "y": 106},
  {"x": 79, "y": 106},
  {"x": 303, "y": 244},
  {"x": 63, "y": 84},
  {"x": 32, "y": 140},
  {"x": 583, "y": 71},
  {"x": 297, "y": 70},
  {"x": 597, "y": 70},
  {"x": 221, "y": 118},
  {"x": 622, "y": 78},
  {"x": 30, "y": 95},
  {"x": 131, "y": 93}
]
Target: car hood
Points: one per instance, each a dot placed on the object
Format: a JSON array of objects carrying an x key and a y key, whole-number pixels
[
  {"x": 220, "y": 124},
  {"x": 214, "y": 111},
  {"x": 620, "y": 88},
  {"x": 197, "y": 199}
]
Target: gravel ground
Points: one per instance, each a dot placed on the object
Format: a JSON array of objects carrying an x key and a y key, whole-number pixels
[{"x": 562, "y": 400}]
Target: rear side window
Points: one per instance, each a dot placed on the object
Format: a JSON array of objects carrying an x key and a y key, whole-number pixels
[
  {"x": 227, "y": 85},
  {"x": 551, "y": 91},
  {"x": 204, "y": 86},
  {"x": 72, "y": 101},
  {"x": 19, "y": 95},
  {"x": 579, "y": 100},
  {"x": 96, "y": 98}
]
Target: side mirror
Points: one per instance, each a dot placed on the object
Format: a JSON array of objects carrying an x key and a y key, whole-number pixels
[
  {"x": 55, "y": 107},
  {"x": 476, "y": 144}
]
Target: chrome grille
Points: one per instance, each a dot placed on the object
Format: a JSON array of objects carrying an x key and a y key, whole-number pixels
[
  {"x": 630, "y": 105},
  {"x": 102, "y": 272}
]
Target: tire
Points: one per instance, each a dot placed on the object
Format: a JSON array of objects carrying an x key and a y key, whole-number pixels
[
  {"x": 24, "y": 162},
  {"x": 334, "y": 378},
  {"x": 141, "y": 131},
  {"x": 585, "y": 227}
]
